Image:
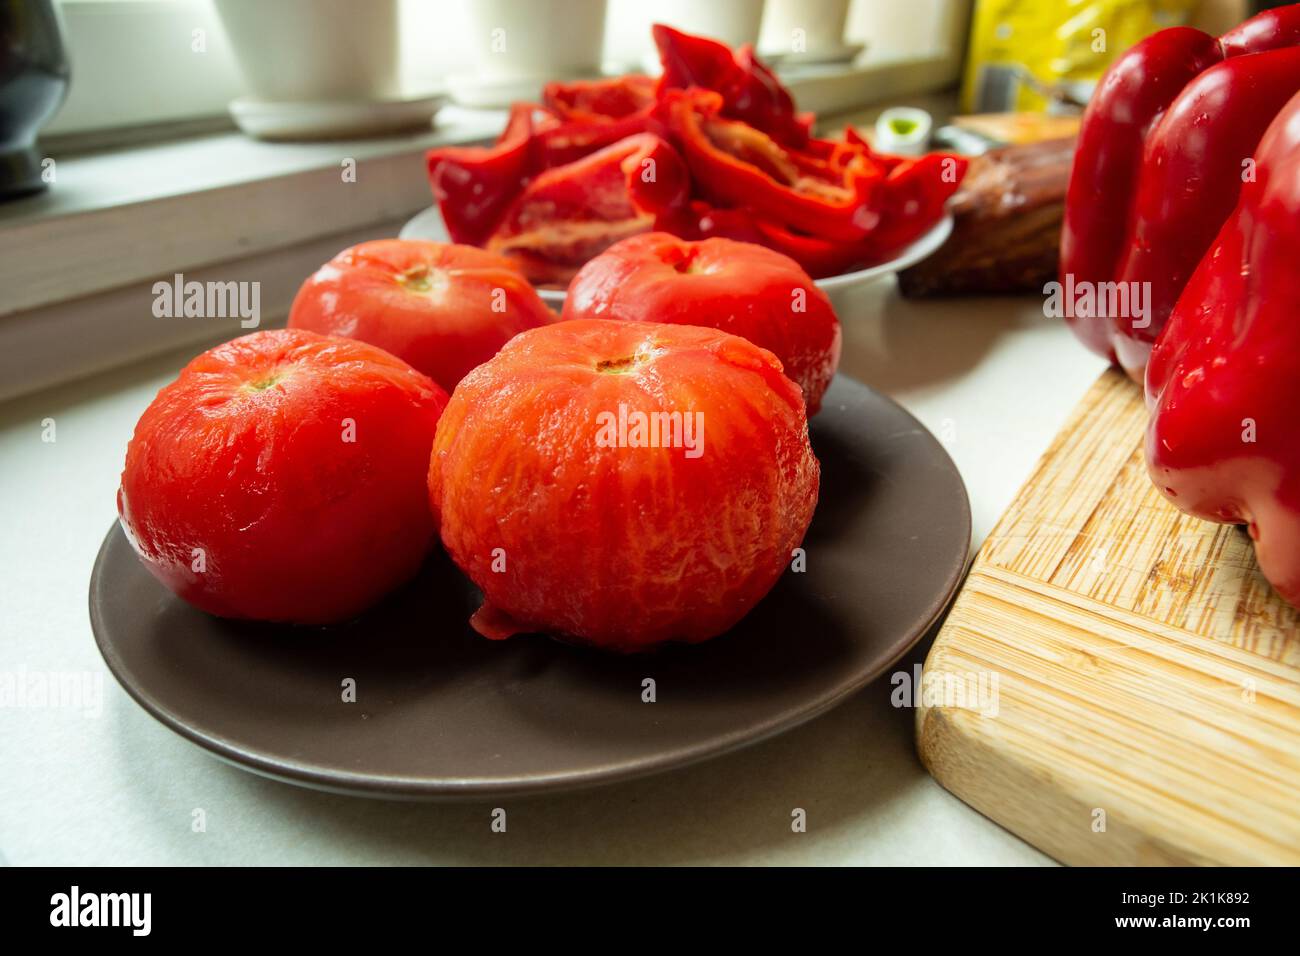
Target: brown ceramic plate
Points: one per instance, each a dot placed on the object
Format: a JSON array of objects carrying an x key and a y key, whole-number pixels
[{"x": 441, "y": 712}]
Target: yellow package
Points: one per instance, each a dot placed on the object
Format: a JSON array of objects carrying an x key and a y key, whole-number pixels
[{"x": 1034, "y": 54}]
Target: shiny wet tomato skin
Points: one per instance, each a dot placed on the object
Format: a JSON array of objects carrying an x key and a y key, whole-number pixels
[
  {"x": 738, "y": 287},
  {"x": 587, "y": 533},
  {"x": 282, "y": 477},
  {"x": 441, "y": 307}
]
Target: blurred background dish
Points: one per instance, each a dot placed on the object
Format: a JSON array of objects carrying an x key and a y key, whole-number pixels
[
  {"x": 628, "y": 46},
  {"x": 806, "y": 31},
  {"x": 515, "y": 49},
  {"x": 903, "y": 131},
  {"x": 291, "y": 120},
  {"x": 315, "y": 50},
  {"x": 315, "y": 70}
]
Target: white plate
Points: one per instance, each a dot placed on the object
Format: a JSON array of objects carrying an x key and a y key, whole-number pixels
[
  {"x": 428, "y": 225},
  {"x": 266, "y": 119}
]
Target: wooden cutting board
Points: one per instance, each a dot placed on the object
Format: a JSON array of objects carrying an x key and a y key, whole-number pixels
[{"x": 1147, "y": 678}]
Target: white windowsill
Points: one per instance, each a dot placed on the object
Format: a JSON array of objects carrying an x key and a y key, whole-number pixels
[
  {"x": 77, "y": 263},
  {"x": 149, "y": 199}
]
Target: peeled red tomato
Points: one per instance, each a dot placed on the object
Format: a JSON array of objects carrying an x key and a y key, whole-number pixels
[
  {"x": 443, "y": 308},
  {"x": 282, "y": 477},
  {"x": 623, "y": 483},
  {"x": 738, "y": 287}
]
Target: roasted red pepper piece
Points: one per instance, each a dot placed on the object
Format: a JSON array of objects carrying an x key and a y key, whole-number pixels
[
  {"x": 594, "y": 114},
  {"x": 853, "y": 140},
  {"x": 568, "y": 142},
  {"x": 474, "y": 185},
  {"x": 1223, "y": 384},
  {"x": 1160, "y": 163},
  {"x": 830, "y": 206},
  {"x": 913, "y": 198},
  {"x": 735, "y": 164},
  {"x": 751, "y": 91},
  {"x": 600, "y": 101},
  {"x": 912, "y": 201},
  {"x": 820, "y": 258},
  {"x": 570, "y": 213}
]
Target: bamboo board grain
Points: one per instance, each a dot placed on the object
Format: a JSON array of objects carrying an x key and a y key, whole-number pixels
[{"x": 1147, "y": 678}]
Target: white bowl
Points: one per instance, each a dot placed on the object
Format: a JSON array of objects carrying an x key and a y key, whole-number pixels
[{"x": 428, "y": 225}]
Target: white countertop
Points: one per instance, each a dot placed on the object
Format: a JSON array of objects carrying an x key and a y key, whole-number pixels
[{"x": 993, "y": 378}]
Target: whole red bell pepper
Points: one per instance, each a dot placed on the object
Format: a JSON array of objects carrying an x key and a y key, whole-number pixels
[
  {"x": 1223, "y": 384},
  {"x": 1163, "y": 150}
]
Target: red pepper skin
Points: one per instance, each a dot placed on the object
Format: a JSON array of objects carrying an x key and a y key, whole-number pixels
[
  {"x": 751, "y": 91},
  {"x": 1223, "y": 384},
  {"x": 1191, "y": 177},
  {"x": 914, "y": 195},
  {"x": 594, "y": 114},
  {"x": 571, "y": 141},
  {"x": 785, "y": 126},
  {"x": 571, "y": 213},
  {"x": 912, "y": 201},
  {"x": 818, "y": 257},
  {"x": 1159, "y": 165},
  {"x": 853, "y": 139},
  {"x": 600, "y": 101},
  {"x": 757, "y": 173},
  {"x": 474, "y": 185},
  {"x": 1129, "y": 100},
  {"x": 1269, "y": 30}
]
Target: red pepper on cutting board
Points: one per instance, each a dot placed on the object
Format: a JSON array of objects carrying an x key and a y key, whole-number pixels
[
  {"x": 1163, "y": 149},
  {"x": 1223, "y": 385}
]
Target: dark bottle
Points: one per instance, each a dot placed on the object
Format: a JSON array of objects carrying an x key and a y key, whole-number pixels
[{"x": 33, "y": 81}]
